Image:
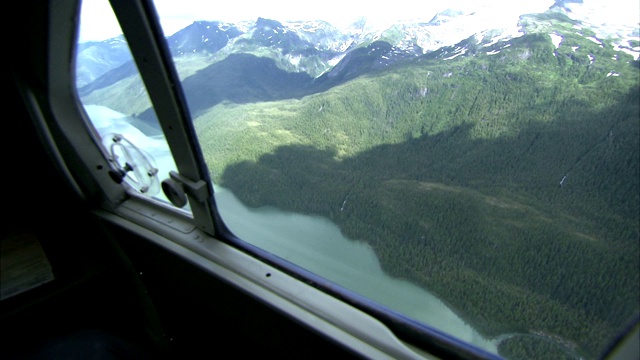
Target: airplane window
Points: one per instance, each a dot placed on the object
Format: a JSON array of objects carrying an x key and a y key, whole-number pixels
[
  {"x": 118, "y": 105},
  {"x": 470, "y": 165}
]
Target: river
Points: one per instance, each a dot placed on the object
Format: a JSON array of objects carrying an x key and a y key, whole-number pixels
[{"x": 316, "y": 244}]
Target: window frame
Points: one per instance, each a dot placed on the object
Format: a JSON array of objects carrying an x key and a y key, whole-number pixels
[{"x": 202, "y": 238}]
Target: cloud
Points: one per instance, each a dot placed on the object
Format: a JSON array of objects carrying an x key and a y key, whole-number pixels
[{"x": 97, "y": 21}]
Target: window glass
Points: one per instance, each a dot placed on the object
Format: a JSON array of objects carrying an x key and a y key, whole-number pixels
[
  {"x": 117, "y": 103},
  {"x": 471, "y": 165}
]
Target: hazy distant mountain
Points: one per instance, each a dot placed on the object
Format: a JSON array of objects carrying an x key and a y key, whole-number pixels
[{"x": 96, "y": 58}]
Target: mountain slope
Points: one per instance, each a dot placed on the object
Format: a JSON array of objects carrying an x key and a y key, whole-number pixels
[
  {"x": 242, "y": 78},
  {"x": 500, "y": 172},
  {"x": 498, "y": 179}
]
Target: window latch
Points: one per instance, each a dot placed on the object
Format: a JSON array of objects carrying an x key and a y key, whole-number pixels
[
  {"x": 176, "y": 188},
  {"x": 131, "y": 165}
]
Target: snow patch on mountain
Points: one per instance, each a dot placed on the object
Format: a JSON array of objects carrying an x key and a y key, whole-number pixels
[
  {"x": 594, "y": 40},
  {"x": 497, "y": 35},
  {"x": 457, "y": 52},
  {"x": 556, "y": 40},
  {"x": 615, "y": 20},
  {"x": 450, "y": 30},
  {"x": 635, "y": 51}
]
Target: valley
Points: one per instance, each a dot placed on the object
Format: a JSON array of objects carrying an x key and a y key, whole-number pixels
[{"x": 499, "y": 173}]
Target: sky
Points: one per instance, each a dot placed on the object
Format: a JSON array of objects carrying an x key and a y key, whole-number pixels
[{"x": 177, "y": 14}]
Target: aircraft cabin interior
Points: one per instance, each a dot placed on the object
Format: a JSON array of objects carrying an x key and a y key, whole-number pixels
[{"x": 91, "y": 269}]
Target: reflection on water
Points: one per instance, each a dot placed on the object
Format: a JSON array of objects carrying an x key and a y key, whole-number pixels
[{"x": 317, "y": 244}]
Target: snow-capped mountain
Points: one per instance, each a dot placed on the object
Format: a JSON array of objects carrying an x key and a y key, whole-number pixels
[
  {"x": 611, "y": 21},
  {"x": 317, "y": 47},
  {"x": 97, "y": 58},
  {"x": 209, "y": 36}
]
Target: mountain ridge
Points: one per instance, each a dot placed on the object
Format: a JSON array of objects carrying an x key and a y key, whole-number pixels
[{"x": 297, "y": 46}]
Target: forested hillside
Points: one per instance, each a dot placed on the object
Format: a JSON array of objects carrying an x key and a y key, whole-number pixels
[{"x": 506, "y": 181}]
